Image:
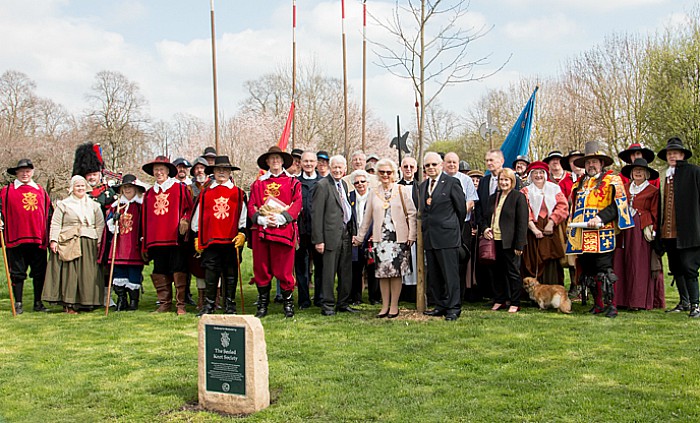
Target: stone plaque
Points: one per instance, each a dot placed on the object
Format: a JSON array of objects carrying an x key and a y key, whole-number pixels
[{"x": 233, "y": 372}]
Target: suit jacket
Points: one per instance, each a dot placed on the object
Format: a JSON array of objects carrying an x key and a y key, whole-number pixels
[
  {"x": 483, "y": 193},
  {"x": 686, "y": 200},
  {"x": 443, "y": 218},
  {"x": 513, "y": 219},
  {"x": 327, "y": 214}
]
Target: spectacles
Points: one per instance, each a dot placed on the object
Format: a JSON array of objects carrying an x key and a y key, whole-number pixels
[
  {"x": 407, "y": 167},
  {"x": 359, "y": 182},
  {"x": 386, "y": 172},
  {"x": 431, "y": 165}
]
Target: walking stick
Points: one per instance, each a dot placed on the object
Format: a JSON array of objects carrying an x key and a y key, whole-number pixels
[
  {"x": 111, "y": 266},
  {"x": 240, "y": 279},
  {"x": 7, "y": 273}
]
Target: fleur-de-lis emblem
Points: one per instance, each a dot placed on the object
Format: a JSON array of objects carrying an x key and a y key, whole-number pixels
[
  {"x": 29, "y": 201},
  {"x": 126, "y": 223},
  {"x": 221, "y": 208},
  {"x": 161, "y": 204}
]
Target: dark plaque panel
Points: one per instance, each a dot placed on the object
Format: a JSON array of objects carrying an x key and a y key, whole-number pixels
[{"x": 225, "y": 358}]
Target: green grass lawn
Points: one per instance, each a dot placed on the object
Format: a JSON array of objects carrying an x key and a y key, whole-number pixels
[{"x": 488, "y": 366}]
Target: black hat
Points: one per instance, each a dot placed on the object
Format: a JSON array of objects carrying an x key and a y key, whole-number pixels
[
  {"x": 554, "y": 154},
  {"x": 647, "y": 154},
  {"x": 221, "y": 161},
  {"x": 322, "y": 155},
  {"x": 182, "y": 161},
  {"x": 627, "y": 170},
  {"x": 372, "y": 157},
  {"x": 565, "y": 161},
  {"x": 464, "y": 166},
  {"x": 209, "y": 152},
  {"x": 675, "y": 143},
  {"x": 286, "y": 157},
  {"x": 199, "y": 161},
  {"x": 297, "y": 152},
  {"x": 130, "y": 179},
  {"x": 521, "y": 158},
  {"x": 20, "y": 164},
  {"x": 592, "y": 152},
  {"x": 88, "y": 159},
  {"x": 148, "y": 167}
]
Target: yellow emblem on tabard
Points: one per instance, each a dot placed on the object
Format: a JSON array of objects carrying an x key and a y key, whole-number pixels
[
  {"x": 272, "y": 190},
  {"x": 161, "y": 205},
  {"x": 126, "y": 223},
  {"x": 221, "y": 208},
  {"x": 29, "y": 201}
]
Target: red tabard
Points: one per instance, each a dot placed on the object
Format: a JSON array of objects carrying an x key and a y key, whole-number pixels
[
  {"x": 219, "y": 213},
  {"x": 129, "y": 240},
  {"x": 162, "y": 213},
  {"x": 285, "y": 189},
  {"x": 25, "y": 211}
]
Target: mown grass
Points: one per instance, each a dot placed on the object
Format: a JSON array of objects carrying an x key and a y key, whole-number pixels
[{"x": 488, "y": 366}]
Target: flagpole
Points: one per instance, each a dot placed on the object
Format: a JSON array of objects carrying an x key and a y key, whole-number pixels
[
  {"x": 213, "y": 66},
  {"x": 345, "y": 82},
  {"x": 294, "y": 65},
  {"x": 364, "y": 72}
]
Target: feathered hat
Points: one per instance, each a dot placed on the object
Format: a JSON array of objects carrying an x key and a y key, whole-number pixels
[{"x": 88, "y": 159}]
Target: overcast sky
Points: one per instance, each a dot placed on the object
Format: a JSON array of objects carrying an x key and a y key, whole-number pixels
[{"x": 165, "y": 46}]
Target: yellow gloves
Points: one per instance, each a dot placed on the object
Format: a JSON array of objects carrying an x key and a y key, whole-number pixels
[{"x": 239, "y": 240}]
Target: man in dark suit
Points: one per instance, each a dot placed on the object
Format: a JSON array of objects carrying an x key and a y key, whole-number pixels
[
  {"x": 331, "y": 233},
  {"x": 443, "y": 210}
]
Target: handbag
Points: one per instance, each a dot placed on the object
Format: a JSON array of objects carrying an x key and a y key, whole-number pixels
[
  {"x": 487, "y": 251},
  {"x": 69, "y": 244}
]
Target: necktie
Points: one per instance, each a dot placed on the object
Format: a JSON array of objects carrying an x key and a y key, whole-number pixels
[
  {"x": 431, "y": 187},
  {"x": 347, "y": 212}
]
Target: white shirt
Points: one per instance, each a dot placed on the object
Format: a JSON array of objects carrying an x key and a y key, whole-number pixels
[
  {"x": 360, "y": 203},
  {"x": 31, "y": 183},
  {"x": 165, "y": 185}
]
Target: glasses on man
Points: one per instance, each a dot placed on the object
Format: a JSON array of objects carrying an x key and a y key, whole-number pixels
[
  {"x": 407, "y": 167},
  {"x": 385, "y": 172},
  {"x": 359, "y": 182},
  {"x": 431, "y": 165}
]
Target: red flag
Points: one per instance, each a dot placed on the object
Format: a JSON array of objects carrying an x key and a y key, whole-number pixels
[{"x": 284, "y": 138}]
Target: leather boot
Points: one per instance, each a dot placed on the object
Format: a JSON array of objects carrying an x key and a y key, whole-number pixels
[
  {"x": 188, "y": 293},
  {"x": 230, "y": 284},
  {"x": 288, "y": 303},
  {"x": 208, "y": 305},
  {"x": 163, "y": 291},
  {"x": 134, "y": 295},
  {"x": 122, "y": 302},
  {"x": 217, "y": 301},
  {"x": 38, "y": 288},
  {"x": 200, "y": 298},
  {"x": 180, "y": 289},
  {"x": 263, "y": 301},
  {"x": 17, "y": 291}
]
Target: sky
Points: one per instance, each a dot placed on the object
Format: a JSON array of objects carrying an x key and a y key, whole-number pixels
[{"x": 165, "y": 46}]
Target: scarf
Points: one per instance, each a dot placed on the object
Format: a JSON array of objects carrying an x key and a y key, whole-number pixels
[{"x": 548, "y": 194}]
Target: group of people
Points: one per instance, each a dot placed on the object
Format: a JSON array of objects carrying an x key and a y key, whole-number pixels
[{"x": 307, "y": 217}]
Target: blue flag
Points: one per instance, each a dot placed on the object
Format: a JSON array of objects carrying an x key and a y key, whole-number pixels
[{"x": 517, "y": 142}]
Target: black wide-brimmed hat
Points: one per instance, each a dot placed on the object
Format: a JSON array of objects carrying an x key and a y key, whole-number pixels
[
  {"x": 199, "y": 161},
  {"x": 565, "y": 161},
  {"x": 521, "y": 158},
  {"x": 592, "y": 151},
  {"x": 162, "y": 160},
  {"x": 286, "y": 158},
  {"x": 554, "y": 154},
  {"x": 20, "y": 164},
  {"x": 221, "y": 161},
  {"x": 130, "y": 179},
  {"x": 182, "y": 161},
  {"x": 675, "y": 143},
  {"x": 627, "y": 170},
  {"x": 209, "y": 152},
  {"x": 647, "y": 154}
]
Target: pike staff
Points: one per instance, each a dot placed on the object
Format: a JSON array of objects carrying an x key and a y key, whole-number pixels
[
  {"x": 345, "y": 82},
  {"x": 213, "y": 67},
  {"x": 294, "y": 73},
  {"x": 7, "y": 273},
  {"x": 364, "y": 72},
  {"x": 116, "y": 217}
]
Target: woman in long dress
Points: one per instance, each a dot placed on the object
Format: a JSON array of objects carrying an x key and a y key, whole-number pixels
[
  {"x": 75, "y": 283},
  {"x": 640, "y": 282},
  {"x": 392, "y": 214},
  {"x": 548, "y": 210}
]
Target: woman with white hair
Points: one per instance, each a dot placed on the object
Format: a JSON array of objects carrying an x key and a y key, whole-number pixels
[
  {"x": 391, "y": 212},
  {"x": 73, "y": 278}
]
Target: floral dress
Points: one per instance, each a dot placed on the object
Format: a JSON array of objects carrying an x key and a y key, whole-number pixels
[{"x": 392, "y": 259}]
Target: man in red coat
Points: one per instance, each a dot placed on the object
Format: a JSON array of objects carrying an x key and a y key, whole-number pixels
[
  {"x": 219, "y": 220},
  {"x": 26, "y": 208},
  {"x": 275, "y": 203},
  {"x": 167, "y": 207}
]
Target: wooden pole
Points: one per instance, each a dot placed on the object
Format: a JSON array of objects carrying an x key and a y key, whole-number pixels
[
  {"x": 7, "y": 274},
  {"x": 345, "y": 84},
  {"x": 213, "y": 67},
  {"x": 364, "y": 74},
  {"x": 294, "y": 70},
  {"x": 114, "y": 254}
]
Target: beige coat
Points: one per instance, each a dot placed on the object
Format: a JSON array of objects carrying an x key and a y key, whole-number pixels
[
  {"x": 67, "y": 217},
  {"x": 375, "y": 213}
]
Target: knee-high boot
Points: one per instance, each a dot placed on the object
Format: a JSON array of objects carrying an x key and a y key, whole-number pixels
[
  {"x": 263, "y": 300},
  {"x": 122, "y": 302},
  {"x": 288, "y": 303},
  {"x": 134, "y": 295},
  {"x": 211, "y": 279},
  {"x": 230, "y": 284},
  {"x": 164, "y": 292},
  {"x": 180, "y": 289},
  {"x": 17, "y": 291}
]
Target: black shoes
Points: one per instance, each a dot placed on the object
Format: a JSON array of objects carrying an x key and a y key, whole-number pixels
[
  {"x": 451, "y": 317},
  {"x": 18, "y": 308},
  {"x": 327, "y": 312},
  {"x": 680, "y": 307},
  {"x": 611, "y": 312},
  {"x": 347, "y": 309},
  {"x": 382, "y": 315},
  {"x": 39, "y": 306},
  {"x": 694, "y": 312},
  {"x": 392, "y": 316},
  {"x": 288, "y": 303},
  {"x": 435, "y": 313}
]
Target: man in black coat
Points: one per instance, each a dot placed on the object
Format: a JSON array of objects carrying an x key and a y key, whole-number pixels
[
  {"x": 331, "y": 233},
  {"x": 680, "y": 226},
  {"x": 441, "y": 202}
]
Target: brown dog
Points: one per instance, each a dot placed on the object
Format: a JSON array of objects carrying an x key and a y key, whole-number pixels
[{"x": 553, "y": 296}]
